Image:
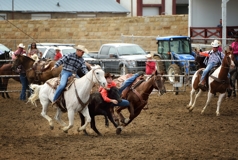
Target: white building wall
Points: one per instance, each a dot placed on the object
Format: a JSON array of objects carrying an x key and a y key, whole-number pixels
[
  {"x": 127, "y": 4},
  {"x": 206, "y": 13},
  {"x": 168, "y": 7},
  {"x": 151, "y": 1}
]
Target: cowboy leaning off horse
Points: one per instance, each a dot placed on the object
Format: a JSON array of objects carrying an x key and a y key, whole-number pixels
[{"x": 214, "y": 59}]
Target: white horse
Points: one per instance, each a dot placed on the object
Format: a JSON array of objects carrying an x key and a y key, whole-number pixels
[
  {"x": 80, "y": 90},
  {"x": 217, "y": 82}
]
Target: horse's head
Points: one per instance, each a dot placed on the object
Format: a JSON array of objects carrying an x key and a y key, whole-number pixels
[
  {"x": 114, "y": 93},
  {"x": 229, "y": 59},
  {"x": 22, "y": 60},
  {"x": 17, "y": 61},
  {"x": 159, "y": 81},
  {"x": 98, "y": 75}
]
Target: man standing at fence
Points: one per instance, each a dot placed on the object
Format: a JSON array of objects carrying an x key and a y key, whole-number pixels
[{"x": 22, "y": 72}]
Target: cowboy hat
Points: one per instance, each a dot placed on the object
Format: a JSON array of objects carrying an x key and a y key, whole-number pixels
[
  {"x": 82, "y": 48},
  {"x": 21, "y": 45},
  {"x": 148, "y": 56},
  {"x": 215, "y": 43},
  {"x": 108, "y": 75},
  {"x": 57, "y": 48}
]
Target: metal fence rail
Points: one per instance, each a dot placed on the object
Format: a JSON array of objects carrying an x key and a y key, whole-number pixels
[{"x": 174, "y": 86}]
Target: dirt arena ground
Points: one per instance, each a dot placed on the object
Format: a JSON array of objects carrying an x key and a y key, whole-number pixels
[{"x": 165, "y": 131}]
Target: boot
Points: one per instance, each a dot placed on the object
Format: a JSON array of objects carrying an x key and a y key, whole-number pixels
[
  {"x": 202, "y": 85},
  {"x": 140, "y": 73}
]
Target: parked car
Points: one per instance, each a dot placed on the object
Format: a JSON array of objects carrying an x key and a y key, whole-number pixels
[
  {"x": 4, "y": 49},
  {"x": 121, "y": 58},
  {"x": 48, "y": 52}
]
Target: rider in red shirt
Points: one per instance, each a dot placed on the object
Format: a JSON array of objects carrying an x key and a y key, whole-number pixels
[
  {"x": 150, "y": 65},
  {"x": 111, "y": 83},
  {"x": 58, "y": 55}
]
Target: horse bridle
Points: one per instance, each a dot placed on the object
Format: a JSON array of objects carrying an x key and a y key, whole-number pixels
[
  {"x": 94, "y": 75},
  {"x": 155, "y": 82},
  {"x": 227, "y": 62}
]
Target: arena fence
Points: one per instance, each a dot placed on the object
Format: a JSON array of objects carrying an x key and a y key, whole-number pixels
[{"x": 178, "y": 86}]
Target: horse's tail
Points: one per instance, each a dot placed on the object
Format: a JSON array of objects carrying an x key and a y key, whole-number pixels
[{"x": 35, "y": 96}]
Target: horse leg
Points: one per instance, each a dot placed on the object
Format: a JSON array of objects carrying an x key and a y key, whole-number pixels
[
  {"x": 191, "y": 98},
  {"x": 115, "y": 118},
  {"x": 209, "y": 97},
  {"x": 58, "y": 117},
  {"x": 85, "y": 113},
  {"x": 137, "y": 112},
  {"x": 195, "y": 100},
  {"x": 110, "y": 117},
  {"x": 4, "y": 86},
  {"x": 43, "y": 113},
  {"x": 82, "y": 122},
  {"x": 71, "y": 120},
  {"x": 104, "y": 113},
  {"x": 118, "y": 111},
  {"x": 221, "y": 96},
  {"x": 93, "y": 126}
]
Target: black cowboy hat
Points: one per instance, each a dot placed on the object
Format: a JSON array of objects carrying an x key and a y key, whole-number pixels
[{"x": 107, "y": 75}]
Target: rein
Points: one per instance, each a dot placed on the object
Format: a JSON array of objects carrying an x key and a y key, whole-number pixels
[
  {"x": 139, "y": 95},
  {"x": 92, "y": 76},
  {"x": 79, "y": 100},
  {"x": 219, "y": 80}
]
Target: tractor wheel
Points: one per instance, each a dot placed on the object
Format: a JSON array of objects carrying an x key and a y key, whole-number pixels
[
  {"x": 172, "y": 71},
  {"x": 159, "y": 64}
]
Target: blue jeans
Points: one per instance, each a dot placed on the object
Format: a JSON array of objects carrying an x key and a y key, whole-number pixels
[
  {"x": 24, "y": 83},
  {"x": 63, "y": 81},
  {"x": 123, "y": 103},
  {"x": 128, "y": 82},
  {"x": 206, "y": 70},
  {"x": 236, "y": 57}
]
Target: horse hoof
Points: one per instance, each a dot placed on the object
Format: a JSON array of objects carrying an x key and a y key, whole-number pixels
[
  {"x": 66, "y": 131},
  {"x": 99, "y": 134},
  {"x": 126, "y": 120},
  {"x": 118, "y": 131},
  {"x": 188, "y": 107}
]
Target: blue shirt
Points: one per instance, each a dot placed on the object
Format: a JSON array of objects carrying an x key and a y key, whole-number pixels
[
  {"x": 71, "y": 62},
  {"x": 215, "y": 58}
]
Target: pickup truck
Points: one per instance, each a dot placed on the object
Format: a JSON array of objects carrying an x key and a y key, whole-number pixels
[{"x": 121, "y": 58}]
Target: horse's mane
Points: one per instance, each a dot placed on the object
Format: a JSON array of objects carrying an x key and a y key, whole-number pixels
[{"x": 28, "y": 58}]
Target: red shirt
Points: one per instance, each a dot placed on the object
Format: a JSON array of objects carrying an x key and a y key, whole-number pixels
[
  {"x": 103, "y": 91},
  {"x": 150, "y": 67},
  {"x": 57, "y": 56}
]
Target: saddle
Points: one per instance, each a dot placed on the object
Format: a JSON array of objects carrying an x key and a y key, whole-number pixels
[
  {"x": 205, "y": 87},
  {"x": 53, "y": 83},
  {"x": 135, "y": 84},
  {"x": 39, "y": 67}
]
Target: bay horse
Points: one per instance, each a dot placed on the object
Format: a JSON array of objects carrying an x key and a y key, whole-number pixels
[
  {"x": 138, "y": 96},
  {"x": 217, "y": 82},
  {"x": 5, "y": 70},
  {"x": 97, "y": 106},
  {"x": 4, "y": 56},
  {"x": 35, "y": 72},
  {"x": 76, "y": 98}
]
